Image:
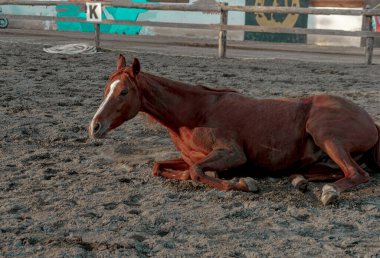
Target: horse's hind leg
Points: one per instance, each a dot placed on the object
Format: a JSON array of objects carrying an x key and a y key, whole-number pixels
[
  {"x": 353, "y": 174},
  {"x": 173, "y": 169}
]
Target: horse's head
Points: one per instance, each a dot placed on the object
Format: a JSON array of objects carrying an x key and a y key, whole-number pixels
[{"x": 121, "y": 99}]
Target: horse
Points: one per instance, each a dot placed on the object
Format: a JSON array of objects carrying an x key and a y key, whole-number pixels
[{"x": 316, "y": 138}]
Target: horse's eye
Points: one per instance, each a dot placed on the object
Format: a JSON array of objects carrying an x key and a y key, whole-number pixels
[{"x": 123, "y": 92}]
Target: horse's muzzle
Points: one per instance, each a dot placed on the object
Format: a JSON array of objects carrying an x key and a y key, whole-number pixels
[{"x": 96, "y": 130}]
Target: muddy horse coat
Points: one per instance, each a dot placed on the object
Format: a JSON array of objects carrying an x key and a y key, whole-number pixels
[{"x": 216, "y": 130}]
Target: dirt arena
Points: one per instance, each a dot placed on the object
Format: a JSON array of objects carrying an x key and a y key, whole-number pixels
[{"x": 64, "y": 195}]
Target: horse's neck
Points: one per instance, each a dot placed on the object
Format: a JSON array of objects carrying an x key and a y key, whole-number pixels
[{"x": 171, "y": 103}]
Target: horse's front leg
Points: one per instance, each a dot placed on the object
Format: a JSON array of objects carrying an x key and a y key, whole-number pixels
[
  {"x": 172, "y": 169},
  {"x": 221, "y": 160}
]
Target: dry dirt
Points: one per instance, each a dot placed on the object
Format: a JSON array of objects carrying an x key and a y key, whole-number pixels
[{"x": 64, "y": 195}]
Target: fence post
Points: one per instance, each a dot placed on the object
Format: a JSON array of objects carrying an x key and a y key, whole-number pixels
[
  {"x": 222, "y": 41},
  {"x": 97, "y": 36},
  {"x": 369, "y": 40}
]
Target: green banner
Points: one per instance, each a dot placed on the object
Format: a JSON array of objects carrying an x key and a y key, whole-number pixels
[{"x": 279, "y": 20}]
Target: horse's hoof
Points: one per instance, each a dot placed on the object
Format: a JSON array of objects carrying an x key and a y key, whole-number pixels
[
  {"x": 300, "y": 183},
  {"x": 329, "y": 194},
  {"x": 251, "y": 185},
  {"x": 212, "y": 174}
]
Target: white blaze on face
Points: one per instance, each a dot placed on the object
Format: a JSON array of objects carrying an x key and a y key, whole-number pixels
[{"x": 105, "y": 101}]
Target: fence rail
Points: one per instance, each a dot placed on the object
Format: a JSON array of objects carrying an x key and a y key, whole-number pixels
[
  {"x": 201, "y": 8},
  {"x": 223, "y": 26},
  {"x": 338, "y": 3}
]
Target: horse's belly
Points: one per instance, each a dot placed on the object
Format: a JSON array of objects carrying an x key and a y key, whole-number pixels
[
  {"x": 273, "y": 160},
  {"x": 274, "y": 154},
  {"x": 300, "y": 152}
]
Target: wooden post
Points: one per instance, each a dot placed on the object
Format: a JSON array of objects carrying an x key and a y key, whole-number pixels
[
  {"x": 364, "y": 24},
  {"x": 97, "y": 36},
  {"x": 369, "y": 40},
  {"x": 222, "y": 41}
]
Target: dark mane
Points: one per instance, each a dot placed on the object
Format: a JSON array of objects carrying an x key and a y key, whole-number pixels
[
  {"x": 199, "y": 86},
  {"x": 191, "y": 86}
]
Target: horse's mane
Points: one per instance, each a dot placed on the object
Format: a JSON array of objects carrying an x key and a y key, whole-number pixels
[
  {"x": 222, "y": 90},
  {"x": 191, "y": 86}
]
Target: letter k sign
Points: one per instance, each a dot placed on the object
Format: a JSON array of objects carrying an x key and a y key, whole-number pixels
[{"x": 94, "y": 12}]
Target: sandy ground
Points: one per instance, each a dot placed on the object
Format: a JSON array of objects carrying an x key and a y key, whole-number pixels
[{"x": 64, "y": 195}]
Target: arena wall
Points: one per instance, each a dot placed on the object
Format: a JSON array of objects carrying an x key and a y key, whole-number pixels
[{"x": 237, "y": 18}]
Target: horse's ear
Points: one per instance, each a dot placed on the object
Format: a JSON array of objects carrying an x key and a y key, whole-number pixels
[
  {"x": 121, "y": 62},
  {"x": 135, "y": 66}
]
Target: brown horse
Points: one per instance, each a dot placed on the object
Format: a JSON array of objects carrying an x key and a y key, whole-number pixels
[{"x": 217, "y": 130}]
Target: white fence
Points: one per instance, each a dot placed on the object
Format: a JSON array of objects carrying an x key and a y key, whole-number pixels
[{"x": 223, "y": 27}]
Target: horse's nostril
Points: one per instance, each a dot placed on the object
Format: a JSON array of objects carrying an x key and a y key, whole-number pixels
[{"x": 96, "y": 127}]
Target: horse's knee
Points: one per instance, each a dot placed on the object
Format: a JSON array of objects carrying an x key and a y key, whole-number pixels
[
  {"x": 156, "y": 169},
  {"x": 195, "y": 173}
]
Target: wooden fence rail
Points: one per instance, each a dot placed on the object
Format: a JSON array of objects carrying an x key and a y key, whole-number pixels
[
  {"x": 199, "y": 8},
  {"x": 223, "y": 26}
]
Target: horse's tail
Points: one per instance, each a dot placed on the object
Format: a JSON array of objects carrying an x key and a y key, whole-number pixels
[{"x": 376, "y": 151}]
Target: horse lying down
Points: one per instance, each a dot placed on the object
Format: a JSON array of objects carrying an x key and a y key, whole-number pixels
[{"x": 217, "y": 130}]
